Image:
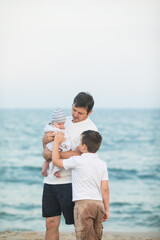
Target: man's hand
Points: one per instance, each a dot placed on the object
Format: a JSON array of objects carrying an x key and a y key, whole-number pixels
[
  {"x": 48, "y": 137},
  {"x": 78, "y": 152},
  {"x": 106, "y": 216},
  {"x": 59, "y": 137}
]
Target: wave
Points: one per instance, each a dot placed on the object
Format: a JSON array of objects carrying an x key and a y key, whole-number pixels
[
  {"x": 124, "y": 174},
  {"x": 149, "y": 176},
  {"x": 21, "y": 168},
  {"x": 7, "y": 215},
  {"x": 23, "y": 174},
  {"x": 152, "y": 221},
  {"x": 119, "y": 204},
  {"x": 119, "y": 173}
]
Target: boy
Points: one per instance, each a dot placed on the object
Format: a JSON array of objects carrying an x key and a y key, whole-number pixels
[
  {"x": 57, "y": 124},
  {"x": 89, "y": 178}
]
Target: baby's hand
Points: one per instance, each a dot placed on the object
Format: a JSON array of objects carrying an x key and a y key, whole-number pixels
[
  {"x": 44, "y": 173},
  {"x": 59, "y": 137},
  {"x": 57, "y": 175}
]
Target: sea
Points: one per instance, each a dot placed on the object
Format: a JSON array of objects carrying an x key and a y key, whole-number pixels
[{"x": 130, "y": 147}]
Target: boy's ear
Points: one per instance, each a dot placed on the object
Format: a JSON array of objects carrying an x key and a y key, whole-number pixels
[{"x": 84, "y": 147}]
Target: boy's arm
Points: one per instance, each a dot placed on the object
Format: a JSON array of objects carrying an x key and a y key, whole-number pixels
[
  {"x": 105, "y": 196},
  {"x": 57, "y": 161}
]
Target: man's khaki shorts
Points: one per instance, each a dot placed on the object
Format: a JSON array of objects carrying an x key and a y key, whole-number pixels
[{"x": 88, "y": 217}]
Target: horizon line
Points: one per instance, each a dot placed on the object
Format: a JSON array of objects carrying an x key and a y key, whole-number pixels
[{"x": 96, "y": 108}]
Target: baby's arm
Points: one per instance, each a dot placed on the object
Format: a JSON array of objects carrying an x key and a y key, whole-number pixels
[
  {"x": 47, "y": 154},
  {"x": 105, "y": 196}
]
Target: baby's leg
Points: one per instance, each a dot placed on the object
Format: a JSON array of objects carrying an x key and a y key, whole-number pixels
[{"x": 44, "y": 168}]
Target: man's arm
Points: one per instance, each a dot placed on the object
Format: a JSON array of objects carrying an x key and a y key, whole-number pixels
[
  {"x": 68, "y": 154},
  {"x": 105, "y": 196},
  {"x": 47, "y": 137},
  {"x": 47, "y": 154}
]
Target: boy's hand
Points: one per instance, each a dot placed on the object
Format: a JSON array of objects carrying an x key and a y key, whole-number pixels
[
  {"x": 106, "y": 216},
  {"x": 59, "y": 137}
]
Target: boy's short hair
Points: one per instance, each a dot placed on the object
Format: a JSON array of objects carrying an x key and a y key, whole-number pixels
[
  {"x": 92, "y": 140},
  {"x": 84, "y": 100}
]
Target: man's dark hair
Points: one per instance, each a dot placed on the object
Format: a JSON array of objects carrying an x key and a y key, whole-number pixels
[
  {"x": 84, "y": 100},
  {"x": 92, "y": 140}
]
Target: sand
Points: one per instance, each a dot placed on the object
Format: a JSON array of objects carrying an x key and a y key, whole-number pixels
[{"x": 11, "y": 235}]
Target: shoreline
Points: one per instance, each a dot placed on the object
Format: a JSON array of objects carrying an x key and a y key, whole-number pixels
[{"x": 29, "y": 235}]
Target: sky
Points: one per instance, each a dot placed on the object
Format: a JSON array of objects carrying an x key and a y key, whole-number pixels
[{"x": 51, "y": 50}]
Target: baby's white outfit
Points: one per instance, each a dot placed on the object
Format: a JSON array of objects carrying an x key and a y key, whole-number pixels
[{"x": 63, "y": 147}]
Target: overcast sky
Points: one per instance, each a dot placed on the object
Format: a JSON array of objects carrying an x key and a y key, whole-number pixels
[{"x": 50, "y": 50}]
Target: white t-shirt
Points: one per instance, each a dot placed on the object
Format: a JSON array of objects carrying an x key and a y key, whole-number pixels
[
  {"x": 75, "y": 130},
  {"x": 87, "y": 173}
]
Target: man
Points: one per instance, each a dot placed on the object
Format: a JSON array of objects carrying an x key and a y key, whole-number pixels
[{"x": 57, "y": 192}]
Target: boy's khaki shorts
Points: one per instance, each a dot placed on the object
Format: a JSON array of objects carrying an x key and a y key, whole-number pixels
[{"x": 88, "y": 217}]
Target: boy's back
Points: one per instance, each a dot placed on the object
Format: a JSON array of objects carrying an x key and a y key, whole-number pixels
[{"x": 87, "y": 173}]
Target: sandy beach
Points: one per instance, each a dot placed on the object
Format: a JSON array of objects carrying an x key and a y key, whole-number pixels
[{"x": 11, "y": 235}]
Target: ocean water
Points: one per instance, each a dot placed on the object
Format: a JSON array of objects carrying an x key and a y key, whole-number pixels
[{"x": 131, "y": 148}]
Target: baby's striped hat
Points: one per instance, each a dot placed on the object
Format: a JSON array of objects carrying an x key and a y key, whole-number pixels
[{"x": 58, "y": 115}]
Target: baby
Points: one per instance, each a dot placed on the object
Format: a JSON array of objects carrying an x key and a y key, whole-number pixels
[{"x": 57, "y": 124}]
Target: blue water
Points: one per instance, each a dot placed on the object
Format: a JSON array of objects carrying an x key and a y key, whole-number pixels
[{"x": 131, "y": 148}]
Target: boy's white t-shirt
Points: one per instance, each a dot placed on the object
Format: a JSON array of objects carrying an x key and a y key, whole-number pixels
[
  {"x": 87, "y": 173},
  {"x": 74, "y": 130}
]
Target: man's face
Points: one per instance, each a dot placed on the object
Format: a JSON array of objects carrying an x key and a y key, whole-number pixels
[{"x": 79, "y": 114}]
